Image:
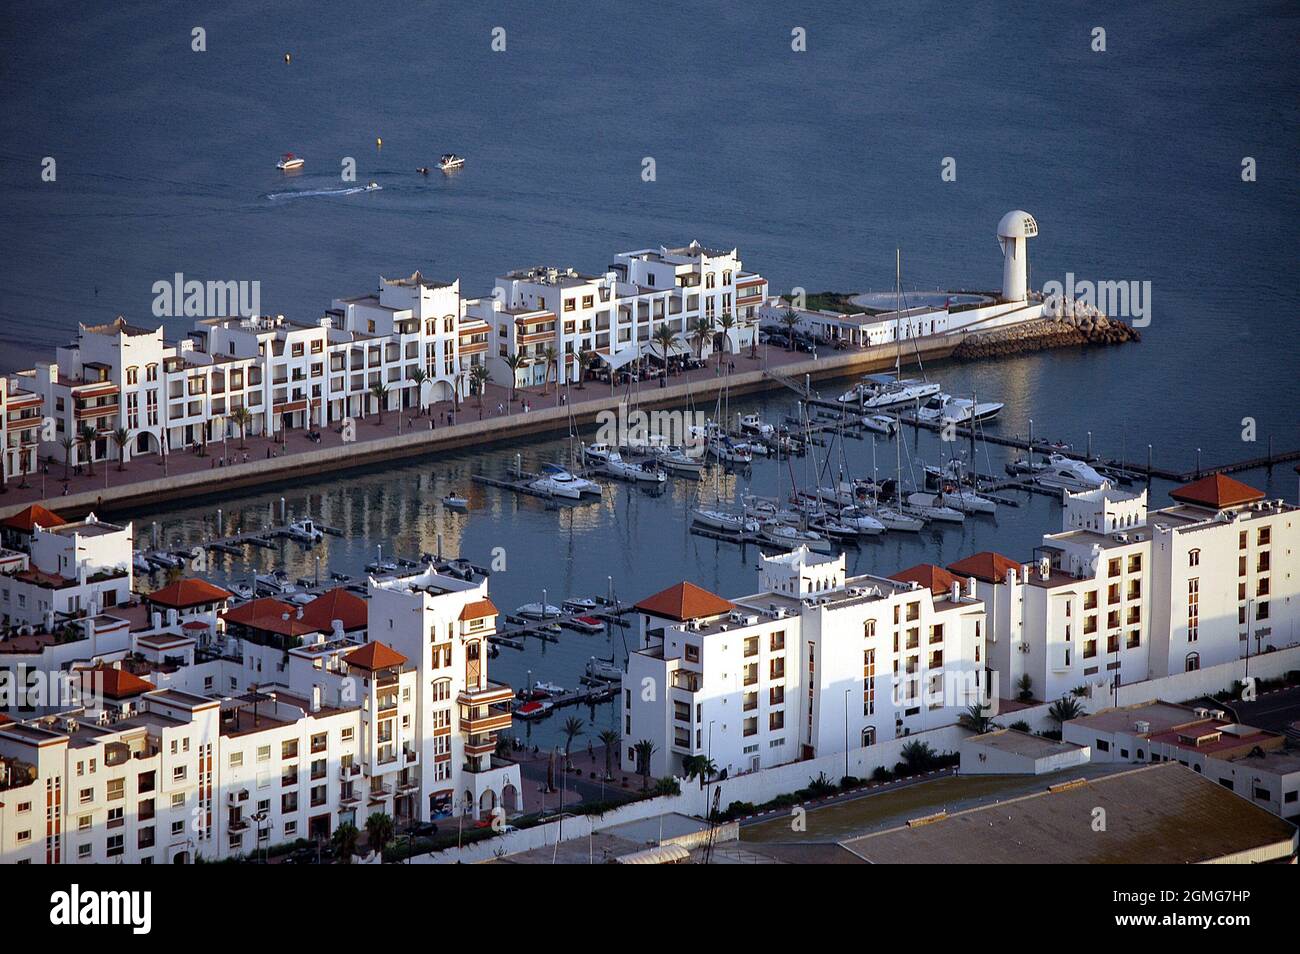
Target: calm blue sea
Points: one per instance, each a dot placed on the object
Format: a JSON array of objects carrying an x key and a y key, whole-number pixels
[{"x": 817, "y": 164}]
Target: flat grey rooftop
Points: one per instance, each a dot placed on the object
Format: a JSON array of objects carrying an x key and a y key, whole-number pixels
[{"x": 1016, "y": 742}]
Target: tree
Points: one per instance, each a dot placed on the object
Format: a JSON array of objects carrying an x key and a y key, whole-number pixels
[
  {"x": 1026, "y": 687},
  {"x": 586, "y": 358},
  {"x": 121, "y": 437},
  {"x": 645, "y": 750},
  {"x": 478, "y": 379},
  {"x": 663, "y": 337},
  {"x": 918, "y": 756},
  {"x": 380, "y": 393},
  {"x": 379, "y": 831},
  {"x": 344, "y": 841},
  {"x": 611, "y": 740},
  {"x": 790, "y": 320},
  {"x": 514, "y": 362},
  {"x": 67, "y": 443},
  {"x": 86, "y": 437},
  {"x": 572, "y": 729},
  {"x": 551, "y": 358},
  {"x": 418, "y": 377},
  {"x": 701, "y": 331},
  {"x": 1064, "y": 709},
  {"x": 700, "y": 765},
  {"x": 242, "y": 418},
  {"x": 977, "y": 719}
]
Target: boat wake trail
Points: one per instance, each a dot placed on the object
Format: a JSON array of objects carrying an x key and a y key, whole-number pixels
[{"x": 317, "y": 193}]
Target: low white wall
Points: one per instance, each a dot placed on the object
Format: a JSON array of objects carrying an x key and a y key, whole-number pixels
[{"x": 1176, "y": 688}]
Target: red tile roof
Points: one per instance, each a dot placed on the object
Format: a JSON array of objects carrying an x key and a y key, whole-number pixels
[
  {"x": 268, "y": 614},
  {"x": 26, "y": 519},
  {"x": 936, "y": 578},
  {"x": 186, "y": 593},
  {"x": 116, "y": 684},
  {"x": 685, "y": 601},
  {"x": 987, "y": 566},
  {"x": 374, "y": 656},
  {"x": 1217, "y": 491},
  {"x": 334, "y": 604},
  {"x": 478, "y": 610}
]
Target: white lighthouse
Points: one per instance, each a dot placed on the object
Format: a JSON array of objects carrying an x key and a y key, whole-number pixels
[{"x": 1013, "y": 230}]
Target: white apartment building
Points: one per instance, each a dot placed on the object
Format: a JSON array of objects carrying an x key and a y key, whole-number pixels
[
  {"x": 814, "y": 663},
  {"x": 1118, "y": 592},
  {"x": 21, "y": 420}
]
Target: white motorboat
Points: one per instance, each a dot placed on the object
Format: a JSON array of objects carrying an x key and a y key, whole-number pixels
[
  {"x": 289, "y": 162},
  {"x": 676, "y": 459},
  {"x": 276, "y": 583},
  {"x": 454, "y": 501},
  {"x": 586, "y": 624},
  {"x": 550, "y": 688},
  {"x": 932, "y": 507},
  {"x": 880, "y": 423},
  {"x": 597, "y": 453},
  {"x": 616, "y": 466},
  {"x": 535, "y": 709},
  {"x": 381, "y": 567},
  {"x": 537, "y": 611},
  {"x": 604, "y": 669},
  {"x": 897, "y": 520},
  {"x": 791, "y": 538},
  {"x": 724, "y": 521},
  {"x": 141, "y": 564},
  {"x": 863, "y": 523},
  {"x": 836, "y": 529},
  {"x": 1069, "y": 474},
  {"x": 242, "y": 591},
  {"x": 305, "y": 531},
  {"x": 753, "y": 424},
  {"x": 579, "y": 604},
  {"x": 880, "y": 390},
  {"x": 558, "y": 482},
  {"x": 727, "y": 451},
  {"x": 946, "y": 409},
  {"x": 450, "y": 161}
]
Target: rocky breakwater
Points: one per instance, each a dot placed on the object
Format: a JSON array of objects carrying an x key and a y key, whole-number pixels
[{"x": 1062, "y": 332}]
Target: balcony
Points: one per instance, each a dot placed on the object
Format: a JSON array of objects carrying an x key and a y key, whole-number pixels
[
  {"x": 480, "y": 719},
  {"x": 490, "y": 693},
  {"x": 349, "y": 771}
]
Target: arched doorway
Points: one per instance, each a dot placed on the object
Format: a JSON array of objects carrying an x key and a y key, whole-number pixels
[
  {"x": 510, "y": 799},
  {"x": 487, "y": 801}
]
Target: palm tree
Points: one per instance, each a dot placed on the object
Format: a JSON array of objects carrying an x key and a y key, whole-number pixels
[
  {"x": 586, "y": 358},
  {"x": 976, "y": 719},
  {"x": 67, "y": 443},
  {"x": 344, "y": 841},
  {"x": 663, "y": 337},
  {"x": 478, "y": 379},
  {"x": 1063, "y": 710},
  {"x": 379, "y": 831},
  {"x": 514, "y": 362},
  {"x": 701, "y": 330},
  {"x": 86, "y": 437},
  {"x": 418, "y": 377},
  {"x": 790, "y": 319},
  {"x": 1026, "y": 686},
  {"x": 645, "y": 750},
  {"x": 380, "y": 393},
  {"x": 242, "y": 418},
  {"x": 550, "y": 357},
  {"x": 917, "y": 756},
  {"x": 725, "y": 324},
  {"x": 610, "y": 739},
  {"x": 700, "y": 765},
  {"x": 121, "y": 437},
  {"x": 572, "y": 729}
]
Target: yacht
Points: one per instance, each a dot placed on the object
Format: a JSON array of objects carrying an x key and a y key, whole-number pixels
[
  {"x": 558, "y": 482},
  {"x": 791, "y": 538},
  {"x": 727, "y": 451},
  {"x": 753, "y": 424},
  {"x": 533, "y": 710},
  {"x": 616, "y": 466},
  {"x": 579, "y": 604},
  {"x": 604, "y": 669},
  {"x": 967, "y": 500},
  {"x": 450, "y": 161},
  {"x": 880, "y": 423},
  {"x": 863, "y": 522},
  {"x": 289, "y": 161},
  {"x": 454, "y": 501},
  {"x": 537, "y": 611},
  {"x": 276, "y": 583},
  {"x": 1068, "y": 474},
  {"x": 597, "y": 453},
  {"x": 141, "y": 564},
  {"x": 677, "y": 460},
  {"x": 304, "y": 531},
  {"x": 724, "y": 521},
  {"x": 837, "y": 529},
  {"x": 932, "y": 507},
  {"x": 946, "y": 409},
  {"x": 586, "y": 624},
  {"x": 880, "y": 390}
]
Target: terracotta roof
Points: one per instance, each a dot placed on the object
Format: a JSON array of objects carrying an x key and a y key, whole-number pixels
[
  {"x": 117, "y": 683},
  {"x": 338, "y": 604},
  {"x": 26, "y": 519},
  {"x": 268, "y": 614},
  {"x": 684, "y": 601},
  {"x": 374, "y": 656},
  {"x": 987, "y": 566},
  {"x": 936, "y": 578},
  {"x": 1217, "y": 491},
  {"x": 478, "y": 610},
  {"x": 188, "y": 592}
]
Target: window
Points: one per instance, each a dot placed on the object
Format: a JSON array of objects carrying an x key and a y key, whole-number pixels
[
  {"x": 1193, "y": 557},
  {"x": 869, "y": 682},
  {"x": 289, "y": 749},
  {"x": 1263, "y": 537},
  {"x": 179, "y": 773},
  {"x": 264, "y": 753},
  {"x": 1113, "y": 567},
  {"x": 777, "y": 642},
  {"x": 692, "y": 653},
  {"x": 236, "y": 759},
  {"x": 1135, "y": 563},
  {"x": 1192, "y": 663},
  {"x": 116, "y": 788},
  {"x": 776, "y": 720}
]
